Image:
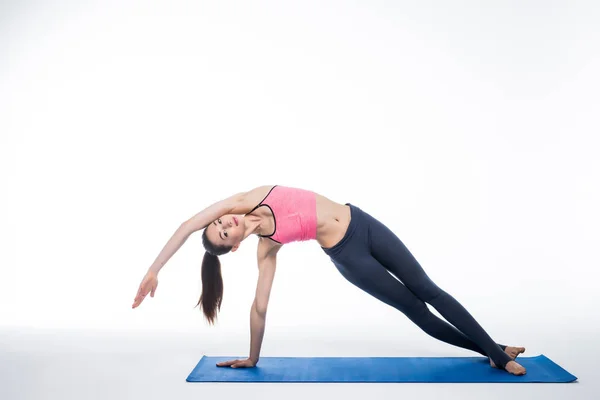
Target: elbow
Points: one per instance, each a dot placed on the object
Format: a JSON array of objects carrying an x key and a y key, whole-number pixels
[
  {"x": 260, "y": 309},
  {"x": 187, "y": 229}
]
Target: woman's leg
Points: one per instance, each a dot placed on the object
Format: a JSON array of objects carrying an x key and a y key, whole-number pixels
[
  {"x": 366, "y": 273},
  {"x": 389, "y": 250}
]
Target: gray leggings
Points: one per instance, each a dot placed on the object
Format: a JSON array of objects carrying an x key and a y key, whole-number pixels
[{"x": 367, "y": 254}]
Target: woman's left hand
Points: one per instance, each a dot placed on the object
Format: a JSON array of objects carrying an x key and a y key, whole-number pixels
[{"x": 247, "y": 363}]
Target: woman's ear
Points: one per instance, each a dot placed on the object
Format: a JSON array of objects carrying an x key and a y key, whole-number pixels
[{"x": 235, "y": 247}]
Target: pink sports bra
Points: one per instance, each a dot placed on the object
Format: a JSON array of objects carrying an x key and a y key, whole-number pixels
[{"x": 294, "y": 212}]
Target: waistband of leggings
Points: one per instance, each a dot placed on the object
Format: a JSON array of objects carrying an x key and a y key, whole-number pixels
[{"x": 354, "y": 220}]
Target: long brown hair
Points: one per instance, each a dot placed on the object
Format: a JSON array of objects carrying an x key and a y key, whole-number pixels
[{"x": 212, "y": 281}]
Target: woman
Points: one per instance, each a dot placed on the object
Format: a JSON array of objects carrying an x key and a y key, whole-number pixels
[{"x": 362, "y": 248}]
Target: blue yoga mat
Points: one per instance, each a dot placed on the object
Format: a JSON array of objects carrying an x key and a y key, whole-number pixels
[{"x": 377, "y": 369}]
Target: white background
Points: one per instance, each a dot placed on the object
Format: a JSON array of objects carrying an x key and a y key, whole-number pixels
[{"x": 469, "y": 128}]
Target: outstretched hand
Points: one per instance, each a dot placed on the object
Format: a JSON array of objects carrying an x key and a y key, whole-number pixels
[
  {"x": 248, "y": 363},
  {"x": 149, "y": 284}
]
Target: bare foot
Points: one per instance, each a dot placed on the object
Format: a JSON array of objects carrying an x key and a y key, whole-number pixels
[
  {"x": 515, "y": 368},
  {"x": 512, "y": 352}
]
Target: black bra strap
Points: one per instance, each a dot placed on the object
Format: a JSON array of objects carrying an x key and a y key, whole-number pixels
[{"x": 261, "y": 203}]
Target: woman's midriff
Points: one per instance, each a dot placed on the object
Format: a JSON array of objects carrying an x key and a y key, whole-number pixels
[{"x": 332, "y": 221}]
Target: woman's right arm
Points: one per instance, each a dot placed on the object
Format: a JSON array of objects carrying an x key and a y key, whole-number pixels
[{"x": 267, "y": 264}]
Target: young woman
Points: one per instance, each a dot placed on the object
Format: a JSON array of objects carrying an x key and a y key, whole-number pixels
[{"x": 362, "y": 248}]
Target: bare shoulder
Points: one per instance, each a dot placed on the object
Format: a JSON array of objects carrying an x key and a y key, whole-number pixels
[
  {"x": 267, "y": 248},
  {"x": 248, "y": 200}
]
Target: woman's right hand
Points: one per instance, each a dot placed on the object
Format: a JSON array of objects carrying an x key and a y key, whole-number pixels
[{"x": 149, "y": 284}]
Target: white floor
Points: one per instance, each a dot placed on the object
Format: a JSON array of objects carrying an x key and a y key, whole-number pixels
[{"x": 40, "y": 364}]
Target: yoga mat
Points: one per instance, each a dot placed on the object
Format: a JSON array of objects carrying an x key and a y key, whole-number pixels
[{"x": 377, "y": 369}]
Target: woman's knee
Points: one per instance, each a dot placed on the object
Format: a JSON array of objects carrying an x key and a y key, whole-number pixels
[
  {"x": 426, "y": 290},
  {"x": 425, "y": 320}
]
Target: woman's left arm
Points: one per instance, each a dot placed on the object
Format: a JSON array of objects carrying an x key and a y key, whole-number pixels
[
  {"x": 195, "y": 223},
  {"x": 239, "y": 203},
  {"x": 202, "y": 219}
]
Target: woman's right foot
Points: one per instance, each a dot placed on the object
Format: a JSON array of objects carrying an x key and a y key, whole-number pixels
[
  {"x": 515, "y": 368},
  {"x": 512, "y": 352}
]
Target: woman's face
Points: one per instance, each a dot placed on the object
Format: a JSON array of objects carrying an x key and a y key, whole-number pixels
[{"x": 227, "y": 230}]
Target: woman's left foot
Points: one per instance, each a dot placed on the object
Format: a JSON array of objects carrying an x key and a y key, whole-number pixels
[{"x": 512, "y": 352}]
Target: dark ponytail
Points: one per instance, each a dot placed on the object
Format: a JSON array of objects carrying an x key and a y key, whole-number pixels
[
  {"x": 212, "y": 281},
  {"x": 212, "y": 287}
]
